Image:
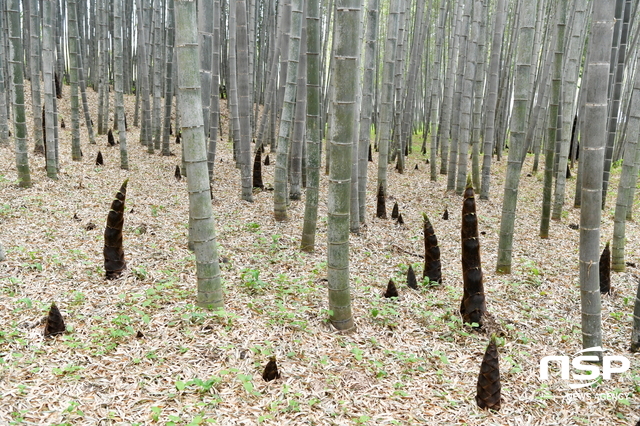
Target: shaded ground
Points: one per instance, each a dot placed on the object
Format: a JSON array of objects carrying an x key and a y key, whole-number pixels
[{"x": 409, "y": 361}]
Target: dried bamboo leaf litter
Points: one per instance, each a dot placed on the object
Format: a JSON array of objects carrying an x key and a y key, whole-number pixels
[{"x": 413, "y": 363}]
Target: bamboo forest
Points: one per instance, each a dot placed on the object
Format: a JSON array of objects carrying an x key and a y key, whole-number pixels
[{"x": 319, "y": 212}]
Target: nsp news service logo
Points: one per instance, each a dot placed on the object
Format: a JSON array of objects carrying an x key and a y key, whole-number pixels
[{"x": 610, "y": 364}]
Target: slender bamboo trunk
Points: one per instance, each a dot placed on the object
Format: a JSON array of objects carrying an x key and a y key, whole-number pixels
[
  {"x": 169, "y": 89},
  {"x": 158, "y": 47},
  {"x": 297, "y": 142},
  {"x": 214, "y": 121},
  {"x": 74, "y": 65},
  {"x": 19, "y": 110},
  {"x": 206, "y": 23},
  {"x": 341, "y": 144},
  {"x": 592, "y": 162},
  {"x": 367, "y": 105},
  {"x": 4, "y": 92},
  {"x": 386, "y": 112},
  {"x": 552, "y": 136},
  {"x": 616, "y": 73},
  {"x": 462, "y": 35},
  {"x": 232, "y": 85},
  {"x": 119, "y": 70},
  {"x": 492, "y": 98},
  {"x": 34, "y": 68},
  {"x": 313, "y": 126},
  {"x": 518, "y": 127},
  {"x": 436, "y": 94},
  {"x": 628, "y": 176},
  {"x": 244, "y": 99},
  {"x": 100, "y": 56},
  {"x": 195, "y": 154},
  {"x": 466, "y": 96},
  {"x": 48, "y": 68},
  {"x": 280, "y": 195}
]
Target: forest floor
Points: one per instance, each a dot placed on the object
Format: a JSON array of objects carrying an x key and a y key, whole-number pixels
[{"x": 137, "y": 350}]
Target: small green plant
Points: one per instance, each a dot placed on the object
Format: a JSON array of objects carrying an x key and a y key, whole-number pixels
[
  {"x": 140, "y": 272},
  {"x": 399, "y": 392},
  {"x": 294, "y": 406},
  {"x": 72, "y": 340},
  {"x": 28, "y": 304},
  {"x": 362, "y": 420},
  {"x": 275, "y": 242},
  {"x": 68, "y": 371},
  {"x": 252, "y": 282},
  {"x": 253, "y": 226},
  {"x": 201, "y": 386},
  {"x": 155, "y": 413},
  {"x": 18, "y": 416},
  {"x": 357, "y": 353},
  {"x": 247, "y": 384},
  {"x": 617, "y": 315},
  {"x": 222, "y": 317},
  {"x": 72, "y": 411},
  {"x": 531, "y": 268},
  {"x": 36, "y": 266},
  {"x": 384, "y": 313},
  {"x": 441, "y": 356},
  {"x": 426, "y": 282},
  {"x": 78, "y": 297},
  {"x": 194, "y": 317},
  {"x": 5, "y": 209},
  {"x": 155, "y": 209}
]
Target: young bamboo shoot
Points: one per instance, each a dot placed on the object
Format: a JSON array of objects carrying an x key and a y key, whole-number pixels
[
  {"x": 473, "y": 305},
  {"x": 488, "y": 390},
  {"x": 432, "y": 265},
  {"x": 114, "y": 262}
]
